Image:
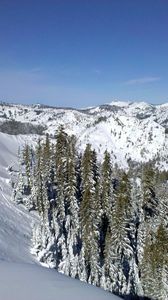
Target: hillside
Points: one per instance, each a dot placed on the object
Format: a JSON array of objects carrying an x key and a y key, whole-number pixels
[
  {"x": 129, "y": 131},
  {"x": 21, "y": 276},
  {"x": 27, "y": 281},
  {"x": 70, "y": 205},
  {"x": 15, "y": 222}
]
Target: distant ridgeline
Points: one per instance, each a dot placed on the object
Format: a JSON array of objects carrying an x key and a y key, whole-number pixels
[{"x": 101, "y": 225}]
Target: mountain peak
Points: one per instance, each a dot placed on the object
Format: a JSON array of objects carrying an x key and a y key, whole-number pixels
[{"x": 119, "y": 103}]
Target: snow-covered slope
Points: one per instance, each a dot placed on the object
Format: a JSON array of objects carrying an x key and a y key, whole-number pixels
[
  {"x": 21, "y": 277},
  {"x": 15, "y": 222},
  {"x": 136, "y": 131},
  {"x": 32, "y": 282}
]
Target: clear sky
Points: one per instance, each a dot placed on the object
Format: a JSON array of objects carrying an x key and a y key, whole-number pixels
[{"x": 83, "y": 52}]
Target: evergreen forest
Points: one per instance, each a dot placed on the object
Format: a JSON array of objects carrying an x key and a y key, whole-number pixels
[{"x": 98, "y": 223}]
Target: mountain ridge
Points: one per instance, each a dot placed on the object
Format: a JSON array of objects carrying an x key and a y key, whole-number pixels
[{"x": 130, "y": 131}]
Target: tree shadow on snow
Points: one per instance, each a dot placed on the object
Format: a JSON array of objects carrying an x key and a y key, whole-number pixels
[{"x": 131, "y": 297}]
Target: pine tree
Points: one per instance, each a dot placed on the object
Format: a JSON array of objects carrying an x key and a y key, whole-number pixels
[
  {"x": 106, "y": 205},
  {"x": 27, "y": 162},
  {"x": 108, "y": 231},
  {"x": 119, "y": 257},
  {"x": 148, "y": 212},
  {"x": 89, "y": 214},
  {"x": 61, "y": 172},
  {"x": 39, "y": 183},
  {"x": 60, "y": 209},
  {"x": 39, "y": 191},
  {"x": 96, "y": 212},
  {"x": 154, "y": 268},
  {"x": 71, "y": 211},
  {"x": 19, "y": 184},
  {"x": 106, "y": 184},
  {"x": 149, "y": 194}
]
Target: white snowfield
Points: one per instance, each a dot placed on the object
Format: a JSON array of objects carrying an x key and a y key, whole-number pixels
[
  {"x": 15, "y": 222},
  {"x": 32, "y": 282},
  {"x": 21, "y": 277},
  {"x": 136, "y": 131}
]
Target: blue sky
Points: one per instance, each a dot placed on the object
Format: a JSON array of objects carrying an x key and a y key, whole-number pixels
[{"x": 83, "y": 52}]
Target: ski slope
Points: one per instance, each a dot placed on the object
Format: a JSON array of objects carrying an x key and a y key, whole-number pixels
[
  {"x": 15, "y": 222},
  {"x": 21, "y": 277},
  {"x": 32, "y": 282}
]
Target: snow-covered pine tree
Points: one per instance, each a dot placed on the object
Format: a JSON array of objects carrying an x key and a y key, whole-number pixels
[
  {"x": 38, "y": 176},
  {"x": 106, "y": 186},
  {"x": 150, "y": 202},
  {"x": 61, "y": 171},
  {"x": 108, "y": 231},
  {"x": 96, "y": 212},
  {"x": 39, "y": 191},
  {"x": 27, "y": 163},
  {"x": 154, "y": 268},
  {"x": 119, "y": 257},
  {"x": 89, "y": 215},
  {"x": 161, "y": 194},
  {"x": 71, "y": 211},
  {"x": 148, "y": 206},
  {"x": 46, "y": 153},
  {"x": 59, "y": 209},
  {"x": 107, "y": 202},
  {"x": 19, "y": 183},
  {"x": 27, "y": 173}
]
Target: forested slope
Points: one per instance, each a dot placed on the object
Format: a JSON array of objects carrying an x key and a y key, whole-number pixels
[{"x": 98, "y": 223}]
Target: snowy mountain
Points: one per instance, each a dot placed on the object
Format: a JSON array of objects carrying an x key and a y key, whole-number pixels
[
  {"x": 129, "y": 131},
  {"x": 132, "y": 133},
  {"x": 21, "y": 276}
]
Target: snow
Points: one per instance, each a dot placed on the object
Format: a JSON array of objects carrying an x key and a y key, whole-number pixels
[
  {"x": 32, "y": 282},
  {"x": 120, "y": 103},
  {"x": 133, "y": 130},
  {"x": 128, "y": 130},
  {"x": 21, "y": 276},
  {"x": 15, "y": 222}
]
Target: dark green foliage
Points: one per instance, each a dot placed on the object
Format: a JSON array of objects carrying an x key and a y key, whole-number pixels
[
  {"x": 155, "y": 263},
  {"x": 150, "y": 202},
  {"x": 14, "y": 127},
  {"x": 100, "y": 119}
]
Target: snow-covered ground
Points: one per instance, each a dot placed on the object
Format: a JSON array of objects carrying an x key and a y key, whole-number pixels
[
  {"x": 15, "y": 222},
  {"x": 136, "y": 131},
  {"x": 32, "y": 282},
  {"x": 129, "y": 131},
  {"x": 21, "y": 277}
]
